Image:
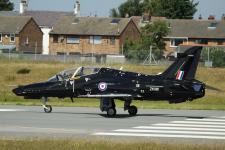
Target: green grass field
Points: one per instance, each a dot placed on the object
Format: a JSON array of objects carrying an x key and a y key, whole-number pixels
[
  {"x": 41, "y": 71},
  {"x": 78, "y": 144}
]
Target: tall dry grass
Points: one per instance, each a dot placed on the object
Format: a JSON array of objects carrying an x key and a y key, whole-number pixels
[
  {"x": 41, "y": 71},
  {"x": 79, "y": 144}
]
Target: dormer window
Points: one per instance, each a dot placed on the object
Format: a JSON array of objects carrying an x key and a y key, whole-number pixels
[
  {"x": 115, "y": 21},
  {"x": 212, "y": 25}
]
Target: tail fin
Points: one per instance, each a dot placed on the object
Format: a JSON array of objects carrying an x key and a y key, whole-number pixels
[{"x": 184, "y": 68}]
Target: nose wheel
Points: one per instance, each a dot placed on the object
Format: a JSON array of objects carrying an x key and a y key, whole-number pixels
[{"x": 47, "y": 108}]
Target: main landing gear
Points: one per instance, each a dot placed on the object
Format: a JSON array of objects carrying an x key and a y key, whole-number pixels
[
  {"x": 108, "y": 105},
  {"x": 47, "y": 108}
]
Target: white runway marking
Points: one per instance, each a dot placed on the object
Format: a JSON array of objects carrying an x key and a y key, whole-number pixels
[
  {"x": 198, "y": 122},
  {"x": 188, "y": 125},
  {"x": 173, "y": 132},
  {"x": 11, "y": 110},
  {"x": 162, "y": 135},
  {"x": 190, "y": 128},
  {"x": 180, "y": 128},
  {"x": 216, "y": 120}
]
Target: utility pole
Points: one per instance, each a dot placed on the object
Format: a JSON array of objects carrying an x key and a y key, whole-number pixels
[
  {"x": 9, "y": 54},
  {"x": 150, "y": 57},
  {"x": 35, "y": 51}
]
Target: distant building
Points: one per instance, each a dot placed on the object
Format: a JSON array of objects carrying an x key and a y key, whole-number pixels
[
  {"x": 91, "y": 35},
  {"x": 45, "y": 19},
  {"x": 15, "y": 33},
  {"x": 195, "y": 32},
  {"x": 186, "y": 32}
]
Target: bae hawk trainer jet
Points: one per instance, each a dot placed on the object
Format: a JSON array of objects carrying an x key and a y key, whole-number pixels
[{"x": 176, "y": 85}]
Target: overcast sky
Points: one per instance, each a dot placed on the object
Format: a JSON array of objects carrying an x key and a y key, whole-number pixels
[{"x": 102, "y": 7}]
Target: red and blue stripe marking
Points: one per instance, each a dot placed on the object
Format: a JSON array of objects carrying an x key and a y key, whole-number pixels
[{"x": 180, "y": 75}]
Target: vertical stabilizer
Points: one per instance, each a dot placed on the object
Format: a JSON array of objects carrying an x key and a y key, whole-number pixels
[{"x": 185, "y": 66}]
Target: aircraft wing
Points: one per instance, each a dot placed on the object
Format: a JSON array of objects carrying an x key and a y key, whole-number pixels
[{"x": 106, "y": 95}]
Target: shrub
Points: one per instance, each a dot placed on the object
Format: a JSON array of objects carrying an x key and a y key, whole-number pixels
[
  {"x": 23, "y": 71},
  {"x": 216, "y": 55}
]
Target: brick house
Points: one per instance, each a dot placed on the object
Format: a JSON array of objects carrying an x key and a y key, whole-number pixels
[
  {"x": 20, "y": 33},
  {"x": 186, "y": 32},
  {"x": 91, "y": 35},
  {"x": 195, "y": 32}
]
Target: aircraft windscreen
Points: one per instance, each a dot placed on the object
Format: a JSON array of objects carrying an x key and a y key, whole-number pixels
[
  {"x": 72, "y": 73},
  {"x": 83, "y": 71}
]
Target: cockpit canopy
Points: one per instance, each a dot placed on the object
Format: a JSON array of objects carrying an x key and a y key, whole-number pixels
[{"x": 73, "y": 73}]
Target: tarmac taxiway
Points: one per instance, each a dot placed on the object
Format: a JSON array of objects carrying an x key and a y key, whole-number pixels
[{"x": 75, "y": 122}]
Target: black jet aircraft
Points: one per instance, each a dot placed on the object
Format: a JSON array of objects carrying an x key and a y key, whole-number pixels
[{"x": 177, "y": 84}]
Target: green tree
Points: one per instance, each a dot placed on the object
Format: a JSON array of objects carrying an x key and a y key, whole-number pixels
[
  {"x": 114, "y": 13},
  {"x": 172, "y": 9},
  {"x": 216, "y": 55},
  {"x": 175, "y": 9},
  {"x": 151, "y": 35},
  {"x": 6, "y": 5},
  {"x": 130, "y": 7}
]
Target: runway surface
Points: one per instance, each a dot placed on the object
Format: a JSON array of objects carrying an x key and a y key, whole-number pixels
[{"x": 73, "y": 122}]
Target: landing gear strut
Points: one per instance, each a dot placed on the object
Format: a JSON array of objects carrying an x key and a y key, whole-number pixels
[
  {"x": 108, "y": 105},
  {"x": 111, "y": 112},
  {"x": 47, "y": 108},
  {"x": 132, "y": 110}
]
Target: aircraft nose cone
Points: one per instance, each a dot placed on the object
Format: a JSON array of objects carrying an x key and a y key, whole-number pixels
[{"x": 18, "y": 91}]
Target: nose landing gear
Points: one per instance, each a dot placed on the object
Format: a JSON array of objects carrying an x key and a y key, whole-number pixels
[{"x": 47, "y": 108}]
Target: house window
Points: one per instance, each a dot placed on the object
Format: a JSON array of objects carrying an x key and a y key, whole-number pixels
[
  {"x": 95, "y": 40},
  {"x": 73, "y": 39},
  {"x": 61, "y": 53},
  {"x": 27, "y": 41},
  {"x": 12, "y": 37},
  {"x": 201, "y": 41},
  {"x": 75, "y": 53},
  {"x": 220, "y": 42},
  {"x": 0, "y": 37},
  {"x": 112, "y": 40},
  {"x": 55, "y": 38},
  {"x": 176, "y": 42},
  {"x": 212, "y": 25}
]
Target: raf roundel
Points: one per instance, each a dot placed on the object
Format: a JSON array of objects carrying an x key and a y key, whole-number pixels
[{"x": 102, "y": 86}]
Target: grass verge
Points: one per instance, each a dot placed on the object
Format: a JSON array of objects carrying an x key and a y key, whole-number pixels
[
  {"x": 101, "y": 145},
  {"x": 41, "y": 71}
]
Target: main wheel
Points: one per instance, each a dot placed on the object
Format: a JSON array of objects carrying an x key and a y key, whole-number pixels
[
  {"x": 48, "y": 108},
  {"x": 111, "y": 112},
  {"x": 132, "y": 110}
]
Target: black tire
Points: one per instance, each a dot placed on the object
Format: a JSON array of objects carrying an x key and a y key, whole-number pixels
[
  {"x": 48, "y": 109},
  {"x": 111, "y": 112},
  {"x": 133, "y": 110}
]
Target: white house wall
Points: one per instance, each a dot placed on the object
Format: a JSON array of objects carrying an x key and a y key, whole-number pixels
[{"x": 46, "y": 31}]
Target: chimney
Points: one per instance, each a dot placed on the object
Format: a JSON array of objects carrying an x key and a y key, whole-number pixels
[
  {"x": 223, "y": 17},
  {"x": 23, "y": 6},
  {"x": 200, "y": 17},
  {"x": 211, "y": 17},
  {"x": 77, "y": 8},
  {"x": 146, "y": 17},
  {"x": 127, "y": 15}
]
